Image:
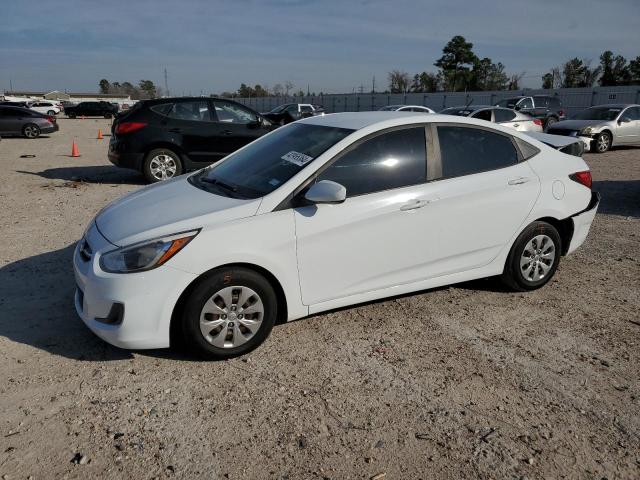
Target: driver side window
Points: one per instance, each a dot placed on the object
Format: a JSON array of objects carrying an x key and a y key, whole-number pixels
[
  {"x": 525, "y": 103},
  {"x": 228, "y": 112},
  {"x": 391, "y": 160}
]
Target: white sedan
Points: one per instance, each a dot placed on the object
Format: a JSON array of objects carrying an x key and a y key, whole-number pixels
[{"x": 323, "y": 213}]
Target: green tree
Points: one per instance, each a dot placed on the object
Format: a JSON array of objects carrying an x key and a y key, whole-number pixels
[
  {"x": 104, "y": 85},
  {"x": 634, "y": 71},
  {"x": 457, "y": 58},
  {"x": 259, "y": 91},
  {"x": 147, "y": 89},
  {"x": 244, "y": 91},
  {"x": 615, "y": 70},
  {"x": 547, "y": 81},
  {"x": 578, "y": 73},
  {"x": 487, "y": 75}
]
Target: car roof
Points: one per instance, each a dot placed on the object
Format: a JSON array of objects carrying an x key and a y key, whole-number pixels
[
  {"x": 615, "y": 105},
  {"x": 361, "y": 120},
  {"x": 473, "y": 108}
]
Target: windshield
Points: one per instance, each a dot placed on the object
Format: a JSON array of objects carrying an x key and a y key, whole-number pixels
[
  {"x": 459, "y": 111},
  {"x": 268, "y": 162},
  {"x": 508, "y": 103},
  {"x": 390, "y": 108},
  {"x": 598, "y": 113},
  {"x": 279, "y": 108}
]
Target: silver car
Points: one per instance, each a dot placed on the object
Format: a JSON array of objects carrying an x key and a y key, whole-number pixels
[
  {"x": 504, "y": 116},
  {"x": 406, "y": 108},
  {"x": 604, "y": 126}
]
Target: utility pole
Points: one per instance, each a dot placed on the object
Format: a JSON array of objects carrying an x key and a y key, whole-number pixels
[
  {"x": 166, "y": 84},
  {"x": 308, "y": 92},
  {"x": 373, "y": 85},
  {"x": 361, "y": 89}
]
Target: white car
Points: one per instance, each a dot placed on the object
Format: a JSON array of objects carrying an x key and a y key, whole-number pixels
[
  {"x": 46, "y": 107},
  {"x": 506, "y": 117},
  {"x": 406, "y": 108},
  {"x": 323, "y": 213}
]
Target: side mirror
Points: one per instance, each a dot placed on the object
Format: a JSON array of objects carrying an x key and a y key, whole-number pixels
[
  {"x": 326, "y": 191},
  {"x": 624, "y": 120}
]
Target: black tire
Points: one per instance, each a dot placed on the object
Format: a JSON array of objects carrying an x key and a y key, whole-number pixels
[
  {"x": 147, "y": 166},
  {"x": 51, "y": 112},
  {"x": 550, "y": 121},
  {"x": 194, "y": 341},
  {"x": 108, "y": 115},
  {"x": 71, "y": 115},
  {"x": 601, "y": 143},
  {"x": 31, "y": 130},
  {"x": 522, "y": 278}
]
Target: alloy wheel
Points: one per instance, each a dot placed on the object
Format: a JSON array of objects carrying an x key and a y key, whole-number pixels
[
  {"x": 537, "y": 258},
  {"x": 603, "y": 142},
  {"x": 31, "y": 131},
  {"x": 231, "y": 317},
  {"x": 163, "y": 167}
]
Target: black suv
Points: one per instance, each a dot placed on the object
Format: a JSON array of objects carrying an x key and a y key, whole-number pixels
[
  {"x": 166, "y": 137},
  {"x": 545, "y": 107},
  {"x": 91, "y": 109}
]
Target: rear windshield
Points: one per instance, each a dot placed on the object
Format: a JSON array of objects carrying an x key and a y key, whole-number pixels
[
  {"x": 265, "y": 164},
  {"x": 460, "y": 112}
]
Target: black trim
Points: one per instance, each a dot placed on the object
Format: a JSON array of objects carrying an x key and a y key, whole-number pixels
[
  {"x": 593, "y": 203},
  {"x": 115, "y": 315}
]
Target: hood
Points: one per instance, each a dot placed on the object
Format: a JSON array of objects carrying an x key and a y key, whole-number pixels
[
  {"x": 166, "y": 208},
  {"x": 576, "y": 124}
]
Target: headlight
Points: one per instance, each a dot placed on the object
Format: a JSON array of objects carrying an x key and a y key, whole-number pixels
[
  {"x": 586, "y": 131},
  {"x": 145, "y": 255}
]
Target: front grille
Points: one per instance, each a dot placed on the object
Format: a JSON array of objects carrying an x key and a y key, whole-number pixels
[{"x": 85, "y": 250}]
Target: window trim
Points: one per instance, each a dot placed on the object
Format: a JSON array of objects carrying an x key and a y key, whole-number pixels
[{"x": 519, "y": 155}]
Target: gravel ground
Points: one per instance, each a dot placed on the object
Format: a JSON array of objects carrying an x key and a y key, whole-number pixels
[{"x": 468, "y": 381}]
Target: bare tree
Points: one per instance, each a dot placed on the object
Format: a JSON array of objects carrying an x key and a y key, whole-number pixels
[
  {"x": 399, "y": 81},
  {"x": 288, "y": 86},
  {"x": 277, "y": 90}
]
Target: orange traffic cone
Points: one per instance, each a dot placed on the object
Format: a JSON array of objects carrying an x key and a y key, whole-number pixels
[
  {"x": 100, "y": 137},
  {"x": 74, "y": 150}
]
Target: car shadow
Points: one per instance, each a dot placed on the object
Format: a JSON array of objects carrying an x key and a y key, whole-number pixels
[
  {"x": 619, "y": 197},
  {"x": 91, "y": 174}
]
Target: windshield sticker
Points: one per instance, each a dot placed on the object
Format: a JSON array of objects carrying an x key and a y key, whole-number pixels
[
  {"x": 274, "y": 182},
  {"x": 297, "y": 158}
]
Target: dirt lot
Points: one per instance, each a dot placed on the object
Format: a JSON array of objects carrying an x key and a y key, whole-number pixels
[{"x": 461, "y": 382}]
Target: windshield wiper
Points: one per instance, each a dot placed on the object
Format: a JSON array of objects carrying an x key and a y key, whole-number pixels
[{"x": 215, "y": 181}]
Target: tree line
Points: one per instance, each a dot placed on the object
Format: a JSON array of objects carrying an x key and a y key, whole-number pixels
[
  {"x": 145, "y": 89},
  {"x": 460, "y": 69}
]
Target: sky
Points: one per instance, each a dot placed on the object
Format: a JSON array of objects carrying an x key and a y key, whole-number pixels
[{"x": 210, "y": 46}]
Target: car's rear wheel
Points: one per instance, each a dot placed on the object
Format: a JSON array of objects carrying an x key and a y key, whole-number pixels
[
  {"x": 602, "y": 142},
  {"x": 229, "y": 313},
  {"x": 550, "y": 121},
  {"x": 71, "y": 115},
  {"x": 534, "y": 257},
  {"x": 108, "y": 115},
  {"x": 51, "y": 112},
  {"x": 31, "y": 130},
  {"x": 161, "y": 164}
]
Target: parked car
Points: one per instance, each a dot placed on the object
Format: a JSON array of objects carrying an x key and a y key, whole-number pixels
[
  {"x": 8, "y": 103},
  {"x": 18, "y": 121},
  {"x": 290, "y": 112},
  {"x": 568, "y": 145},
  {"x": 604, "y": 126},
  {"x": 547, "y": 108},
  {"x": 504, "y": 116},
  {"x": 323, "y": 213},
  {"x": 91, "y": 109},
  {"x": 47, "y": 107},
  {"x": 406, "y": 108},
  {"x": 165, "y": 137}
]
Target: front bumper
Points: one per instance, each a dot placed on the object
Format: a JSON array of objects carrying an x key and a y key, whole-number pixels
[
  {"x": 130, "y": 311},
  {"x": 582, "y": 222}
]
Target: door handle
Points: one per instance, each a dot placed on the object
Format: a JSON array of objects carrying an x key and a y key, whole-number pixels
[
  {"x": 226, "y": 132},
  {"x": 175, "y": 130},
  {"x": 516, "y": 125},
  {"x": 519, "y": 180},
  {"x": 414, "y": 204}
]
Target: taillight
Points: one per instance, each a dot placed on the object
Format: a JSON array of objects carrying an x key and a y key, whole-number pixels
[
  {"x": 51, "y": 119},
  {"x": 583, "y": 178},
  {"x": 128, "y": 127},
  {"x": 561, "y": 113},
  {"x": 537, "y": 122}
]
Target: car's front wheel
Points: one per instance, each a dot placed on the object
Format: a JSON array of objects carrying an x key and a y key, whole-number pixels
[
  {"x": 550, "y": 121},
  {"x": 229, "y": 313},
  {"x": 534, "y": 257},
  {"x": 602, "y": 142},
  {"x": 31, "y": 130},
  {"x": 51, "y": 112},
  {"x": 161, "y": 164}
]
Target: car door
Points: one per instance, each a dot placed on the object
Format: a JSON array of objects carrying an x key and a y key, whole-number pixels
[
  {"x": 190, "y": 125},
  {"x": 484, "y": 194},
  {"x": 628, "y": 127},
  {"x": 11, "y": 121},
  {"x": 236, "y": 126},
  {"x": 525, "y": 105},
  {"x": 378, "y": 236}
]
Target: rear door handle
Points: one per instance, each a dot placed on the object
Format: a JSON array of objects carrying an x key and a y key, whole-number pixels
[
  {"x": 519, "y": 180},
  {"x": 175, "y": 130},
  {"x": 226, "y": 132},
  {"x": 414, "y": 204}
]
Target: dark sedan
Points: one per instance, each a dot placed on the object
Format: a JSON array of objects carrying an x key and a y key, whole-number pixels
[
  {"x": 166, "y": 137},
  {"x": 17, "y": 121}
]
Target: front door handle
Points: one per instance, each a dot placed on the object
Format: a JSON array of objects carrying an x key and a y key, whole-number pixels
[
  {"x": 226, "y": 132},
  {"x": 519, "y": 180},
  {"x": 175, "y": 130},
  {"x": 516, "y": 125},
  {"x": 414, "y": 204}
]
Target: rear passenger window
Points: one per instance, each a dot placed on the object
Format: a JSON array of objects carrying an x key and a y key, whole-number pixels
[
  {"x": 162, "y": 109},
  {"x": 483, "y": 115},
  {"x": 504, "y": 115},
  {"x": 391, "y": 160},
  {"x": 194, "y": 111},
  {"x": 465, "y": 151}
]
